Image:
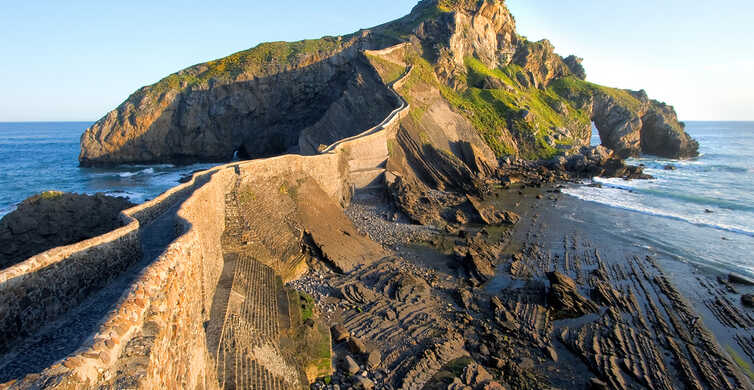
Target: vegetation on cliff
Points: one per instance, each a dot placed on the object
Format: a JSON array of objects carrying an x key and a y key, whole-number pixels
[{"x": 522, "y": 98}]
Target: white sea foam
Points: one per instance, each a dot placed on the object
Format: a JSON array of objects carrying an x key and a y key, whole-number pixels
[{"x": 617, "y": 196}]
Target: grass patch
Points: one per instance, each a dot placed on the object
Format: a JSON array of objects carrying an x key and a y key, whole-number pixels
[
  {"x": 572, "y": 87},
  {"x": 306, "y": 303},
  {"x": 254, "y": 61},
  {"x": 389, "y": 71}
]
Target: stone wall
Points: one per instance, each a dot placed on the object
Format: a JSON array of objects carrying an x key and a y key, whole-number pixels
[{"x": 165, "y": 309}]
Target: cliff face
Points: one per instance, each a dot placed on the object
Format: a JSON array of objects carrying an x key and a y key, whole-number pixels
[
  {"x": 519, "y": 97},
  {"x": 260, "y": 104}
]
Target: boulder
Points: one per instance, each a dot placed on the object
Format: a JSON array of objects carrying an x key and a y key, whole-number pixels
[
  {"x": 350, "y": 366},
  {"x": 748, "y": 300}
]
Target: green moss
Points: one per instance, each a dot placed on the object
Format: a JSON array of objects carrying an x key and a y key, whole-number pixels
[
  {"x": 743, "y": 364},
  {"x": 49, "y": 195}
]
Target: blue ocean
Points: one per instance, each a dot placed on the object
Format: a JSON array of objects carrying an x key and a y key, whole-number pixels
[
  {"x": 41, "y": 156},
  {"x": 700, "y": 212}
]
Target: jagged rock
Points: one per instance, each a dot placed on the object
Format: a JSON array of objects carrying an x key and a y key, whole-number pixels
[
  {"x": 339, "y": 333},
  {"x": 374, "y": 359},
  {"x": 466, "y": 298},
  {"x": 564, "y": 298},
  {"x": 53, "y": 219},
  {"x": 597, "y": 384},
  {"x": 474, "y": 375},
  {"x": 490, "y": 215},
  {"x": 408, "y": 286},
  {"x": 480, "y": 267},
  {"x": 461, "y": 217},
  {"x": 574, "y": 64},
  {"x": 520, "y": 270},
  {"x": 358, "y": 293}
]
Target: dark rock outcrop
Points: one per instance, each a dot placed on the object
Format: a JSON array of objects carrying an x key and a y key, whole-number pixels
[
  {"x": 53, "y": 219},
  {"x": 565, "y": 299}
]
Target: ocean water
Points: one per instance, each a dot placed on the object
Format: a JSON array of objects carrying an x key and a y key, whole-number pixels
[
  {"x": 701, "y": 212},
  {"x": 40, "y": 156}
]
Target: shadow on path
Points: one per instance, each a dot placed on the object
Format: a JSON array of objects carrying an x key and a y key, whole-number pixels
[{"x": 64, "y": 336}]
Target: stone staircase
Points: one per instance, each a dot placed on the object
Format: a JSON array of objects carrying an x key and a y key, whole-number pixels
[{"x": 248, "y": 355}]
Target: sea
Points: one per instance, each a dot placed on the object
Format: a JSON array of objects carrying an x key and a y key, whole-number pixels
[
  {"x": 701, "y": 211},
  {"x": 42, "y": 156}
]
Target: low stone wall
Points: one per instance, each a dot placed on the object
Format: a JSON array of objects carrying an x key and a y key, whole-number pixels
[{"x": 40, "y": 289}]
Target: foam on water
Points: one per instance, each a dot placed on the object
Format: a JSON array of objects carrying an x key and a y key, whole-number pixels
[
  {"x": 714, "y": 193},
  {"x": 36, "y": 157}
]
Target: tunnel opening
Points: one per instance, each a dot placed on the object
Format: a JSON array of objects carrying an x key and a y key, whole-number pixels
[{"x": 595, "y": 138}]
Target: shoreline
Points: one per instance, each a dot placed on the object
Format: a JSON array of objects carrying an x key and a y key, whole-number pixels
[{"x": 671, "y": 301}]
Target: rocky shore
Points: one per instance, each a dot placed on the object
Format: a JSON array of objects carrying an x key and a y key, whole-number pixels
[{"x": 542, "y": 303}]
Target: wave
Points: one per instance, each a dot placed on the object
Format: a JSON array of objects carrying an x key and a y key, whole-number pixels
[
  {"x": 148, "y": 171},
  {"x": 681, "y": 196},
  {"x": 625, "y": 204}
]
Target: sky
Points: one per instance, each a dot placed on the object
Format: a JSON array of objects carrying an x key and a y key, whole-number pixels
[{"x": 76, "y": 60}]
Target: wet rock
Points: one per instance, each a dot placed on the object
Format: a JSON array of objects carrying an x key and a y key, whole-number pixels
[
  {"x": 748, "y": 300},
  {"x": 669, "y": 167},
  {"x": 492, "y": 216},
  {"x": 461, "y": 217},
  {"x": 520, "y": 270},
  {"x": 740, "y": 279},
  {"x": 597, "y": 384}
]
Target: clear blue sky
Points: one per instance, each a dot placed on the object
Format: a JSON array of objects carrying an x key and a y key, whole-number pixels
[{"x": 76, "y": 60}]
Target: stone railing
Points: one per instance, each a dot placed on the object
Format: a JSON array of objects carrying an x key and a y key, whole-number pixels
[
  {"x": 171, "y": 298},
  {"x": 45, "y": 286}
]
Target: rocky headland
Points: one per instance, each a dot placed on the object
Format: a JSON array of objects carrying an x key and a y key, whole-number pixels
[
  {"x": 418, "y": 240},
  {"x": 53, "y": 219},
  {"x": 521, "y": 97}
]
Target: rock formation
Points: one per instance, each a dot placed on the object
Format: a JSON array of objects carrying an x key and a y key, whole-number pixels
[
  {"x": 54, "y": 219},
  {"x": 500, "y": 93}
]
